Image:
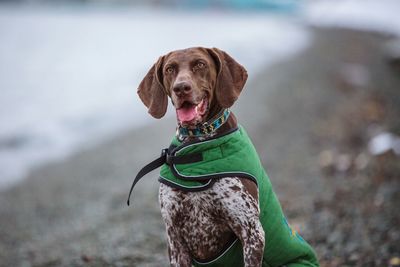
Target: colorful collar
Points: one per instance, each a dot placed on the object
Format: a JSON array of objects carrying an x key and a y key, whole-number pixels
[{"x": 203, "y": 129}]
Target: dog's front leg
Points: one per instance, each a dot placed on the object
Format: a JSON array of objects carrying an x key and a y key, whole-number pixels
[
  {"x": 178, "y": 254},
  {"x": 177, "y": 250},
  {"x": 253, "y": 242},
  {"x": 242, "y": 214}
]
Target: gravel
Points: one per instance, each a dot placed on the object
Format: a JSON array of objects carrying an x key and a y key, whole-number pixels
[{"x": 310, "y": 122}]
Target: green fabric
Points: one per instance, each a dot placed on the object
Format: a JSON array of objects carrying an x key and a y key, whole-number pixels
[{"x": 235, "y": 153}]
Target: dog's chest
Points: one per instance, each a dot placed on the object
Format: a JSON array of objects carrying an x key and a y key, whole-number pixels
[{"x": 199, "y": 218}]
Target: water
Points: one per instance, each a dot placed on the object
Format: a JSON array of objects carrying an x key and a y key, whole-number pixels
[
  {"x": 368, "y": 15},
  {"x": 68, "y": 77}
]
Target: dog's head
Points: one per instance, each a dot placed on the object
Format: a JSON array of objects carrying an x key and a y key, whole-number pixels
[{"x": 200, "y": 82}]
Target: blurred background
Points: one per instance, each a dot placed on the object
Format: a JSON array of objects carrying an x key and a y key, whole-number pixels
[{"x": 322, "y": 105}]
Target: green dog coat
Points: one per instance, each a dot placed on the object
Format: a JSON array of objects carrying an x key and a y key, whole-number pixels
[{"x": 231, "y": 155}]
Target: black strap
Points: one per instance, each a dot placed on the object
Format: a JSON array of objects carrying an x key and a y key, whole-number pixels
[
  {"x": 184, "y": 159},
  {"x": 148, "y": 168},
  {"x": 164, "y": 158}
]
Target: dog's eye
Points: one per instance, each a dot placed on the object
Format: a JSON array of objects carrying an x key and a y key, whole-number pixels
[
  {"x": 170, "y": 70},
  {"x": 199, "y": 65}
]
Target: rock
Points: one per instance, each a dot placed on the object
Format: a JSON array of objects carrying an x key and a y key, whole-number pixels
[
  {"x": 361, "y": 161},
  {"x": 343, "y": 163},
  {"x": 383, "y": 143},
  {"x": 326, "y": 160},
  {"x": 85, "y": 258},
  {"x": 395, "y": 261},
  {"x": 354, "y": 75}
]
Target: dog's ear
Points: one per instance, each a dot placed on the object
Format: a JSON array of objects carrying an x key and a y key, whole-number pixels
[
  {"x": 231, "y": 77},
  {"x": 152, "y": 92}
]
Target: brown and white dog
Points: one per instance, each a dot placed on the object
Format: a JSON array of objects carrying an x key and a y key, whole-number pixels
[{"x": 201, "y": 83}]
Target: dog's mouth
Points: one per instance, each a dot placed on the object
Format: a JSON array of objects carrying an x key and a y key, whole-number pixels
[{"x": 190, "y": 113}]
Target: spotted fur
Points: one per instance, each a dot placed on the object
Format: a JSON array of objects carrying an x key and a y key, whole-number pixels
[
  {"x": 196, "y": 221},
  {"x": 200, "y": 224}
]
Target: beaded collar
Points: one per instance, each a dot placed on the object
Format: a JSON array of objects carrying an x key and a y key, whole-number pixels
[{"x": 205, "y": 129}]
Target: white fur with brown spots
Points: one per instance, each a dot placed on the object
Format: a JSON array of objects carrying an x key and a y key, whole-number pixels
[
  {"x": 202, "y": 82},
  {"x": 195, "y": 221}
]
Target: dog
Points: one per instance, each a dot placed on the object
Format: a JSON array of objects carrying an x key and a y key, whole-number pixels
[{"x": 216, "y": 200}]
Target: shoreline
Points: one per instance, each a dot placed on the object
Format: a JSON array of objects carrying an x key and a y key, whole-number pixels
[
  {"x": 74, "y": 213},
  {"x": 56, "y": 115}
]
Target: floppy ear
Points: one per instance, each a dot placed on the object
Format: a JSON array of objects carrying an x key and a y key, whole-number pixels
[
  {"x": 152, "y": 92},
  {"x": 231, "y": 77}
]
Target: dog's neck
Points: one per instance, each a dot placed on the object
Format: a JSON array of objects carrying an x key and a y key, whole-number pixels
[{"x": 227, "y": 121}]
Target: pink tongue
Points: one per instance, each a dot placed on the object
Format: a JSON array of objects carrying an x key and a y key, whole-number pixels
[{"x": 186, "y": 114}]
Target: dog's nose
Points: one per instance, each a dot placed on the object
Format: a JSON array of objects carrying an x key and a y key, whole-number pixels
[{"x": 182, "y": 88}]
